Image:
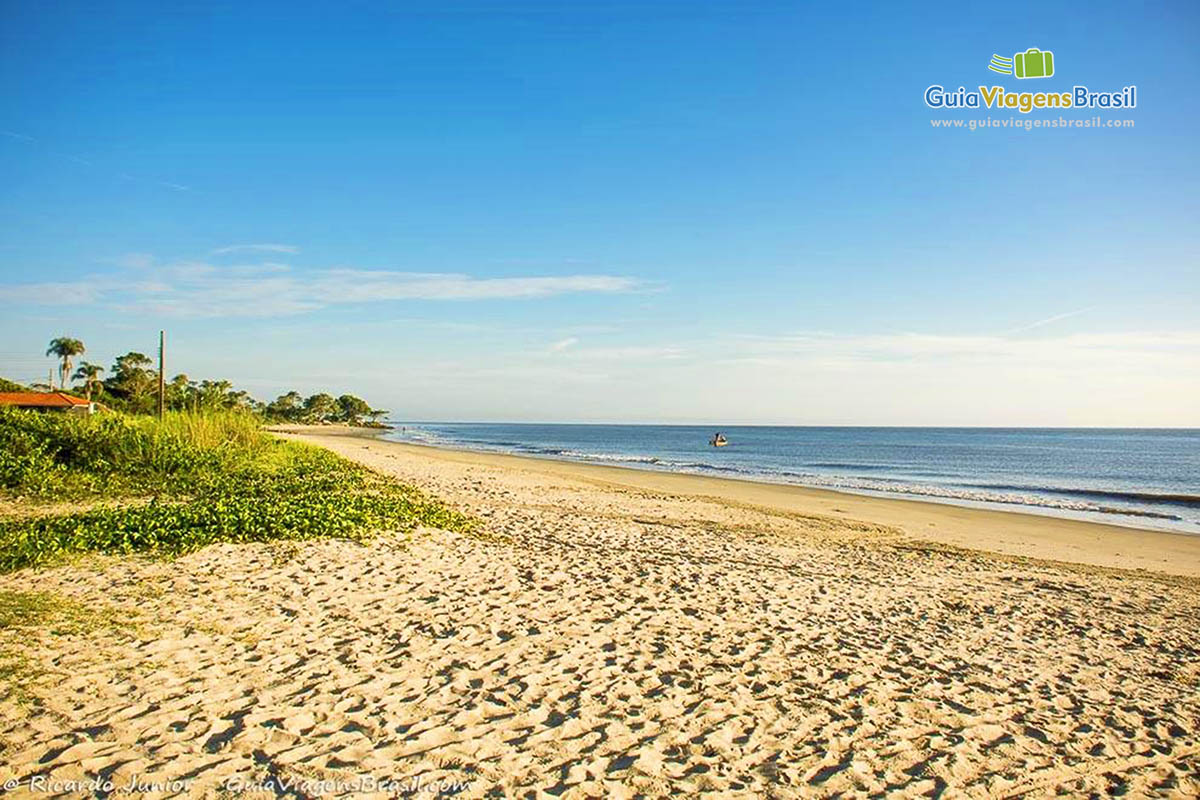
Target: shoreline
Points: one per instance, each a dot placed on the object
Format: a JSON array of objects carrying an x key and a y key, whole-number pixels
[
  {"x": 327, "y": 430},
  {"x": 1006, "y": 533},
  {"x": 1131, "y": 520}
]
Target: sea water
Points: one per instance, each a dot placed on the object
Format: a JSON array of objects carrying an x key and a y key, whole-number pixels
[{"x": 1147, "y": 478}]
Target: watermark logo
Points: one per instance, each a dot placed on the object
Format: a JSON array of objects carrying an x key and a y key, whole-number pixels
[
  {"x": 1001, "y": 64},
  {"x": 1033, "y": 63}
]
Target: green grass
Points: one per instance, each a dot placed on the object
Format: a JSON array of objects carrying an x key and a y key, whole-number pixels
[{"x": 197, "y": 479}]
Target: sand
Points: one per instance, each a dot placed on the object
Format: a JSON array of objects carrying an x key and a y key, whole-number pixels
[
  {"x": 614, "y": 633},
  {"x": 998, "y": 532}
]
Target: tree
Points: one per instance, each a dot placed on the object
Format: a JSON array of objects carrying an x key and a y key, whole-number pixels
[
  {"x": 352, "y": 409},
  {"x": 181, "y": 393},
  {"x": 90, "y": 375},
  {"x": 240, "y": 401},
  {"x": 287, "y": 407},
  {"x": 132, "y": 382},
  {"x": 133, "y": 379},
  {"x": 64, "y": 348},
  {"x": 320, "y": 408}
]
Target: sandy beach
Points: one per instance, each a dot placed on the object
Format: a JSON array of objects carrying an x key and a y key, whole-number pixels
[{"x": 614, "y": 633}]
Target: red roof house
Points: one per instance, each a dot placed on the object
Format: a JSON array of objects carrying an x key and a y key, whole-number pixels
[{"x": 47, "y": 401}]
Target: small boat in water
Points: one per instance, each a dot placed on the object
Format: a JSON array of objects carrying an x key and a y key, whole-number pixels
[{"x": 718, "y": 440}]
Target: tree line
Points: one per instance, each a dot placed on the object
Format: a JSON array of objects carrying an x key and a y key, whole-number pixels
[{"x": 132, "y": 386}]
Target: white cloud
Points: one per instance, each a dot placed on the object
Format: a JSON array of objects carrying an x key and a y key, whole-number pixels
[
  {"x": 350, "y": 285},
  {"x": 50, "y": 294},
  {"x": 256, "y": 248},
  {"x": 630, "y": 353},
  {"x": 201, "y": 289},
  {"x": 1049, "y": 320},
  {"x": 563, "y": 344},
  {"x": 904, "y": 349}
]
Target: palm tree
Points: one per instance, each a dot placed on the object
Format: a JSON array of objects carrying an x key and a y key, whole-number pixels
[
  {"x": 64, "y": 348},
  {"x": 180, "y": 392},
  {"x": 90, "y": 375},
  {"x": 215, "y": 394}
]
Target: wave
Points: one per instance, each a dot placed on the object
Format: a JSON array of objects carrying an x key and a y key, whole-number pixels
[
  {"x": 1049, "y": 497},
  {"x": 1170, "y": 499},
  {"x": 610, "y": 457},
  {"x": 848, "y": 465}
]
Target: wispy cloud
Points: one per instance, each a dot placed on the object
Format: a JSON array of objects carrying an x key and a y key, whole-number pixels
[
  {"x": 905, "y": 351},
  {"x": 563, "y": 344},
  {"x": 202, "y": 289},
  {"x": 52, "y": 294},
  {"x": 634, "y": 353},
  {"x": 351, "y": 285},
  {"x": 1050, "y": 320},
  {"x": 256, "y": 248},
  {"x": 77, "y": 159},
  {"x": 628, "y": 353}
]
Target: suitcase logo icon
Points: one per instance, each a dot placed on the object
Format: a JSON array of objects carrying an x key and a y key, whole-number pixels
[{"x": 1033, "y": 63}]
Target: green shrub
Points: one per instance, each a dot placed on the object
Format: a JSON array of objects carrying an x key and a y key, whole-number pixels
[
  {"x": 209, "y": 478},
  {"x": 140, "y": 451},
  {"x": 26, "y": 463}
]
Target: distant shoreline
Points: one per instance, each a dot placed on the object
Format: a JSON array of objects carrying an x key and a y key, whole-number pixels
[{"x": 328, "y": 430}]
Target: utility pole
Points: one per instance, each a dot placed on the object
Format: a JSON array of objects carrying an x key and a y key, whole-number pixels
[{"x": 162, "y": 365}]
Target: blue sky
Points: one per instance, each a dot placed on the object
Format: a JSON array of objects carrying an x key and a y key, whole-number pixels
[{"x": 610, "y": 212}]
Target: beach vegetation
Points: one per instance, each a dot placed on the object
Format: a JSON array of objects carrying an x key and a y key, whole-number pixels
[{"x": 174, "y": 485}]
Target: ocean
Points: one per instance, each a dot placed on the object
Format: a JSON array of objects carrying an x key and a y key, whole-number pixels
[{"x": 1145, "y": 478}]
